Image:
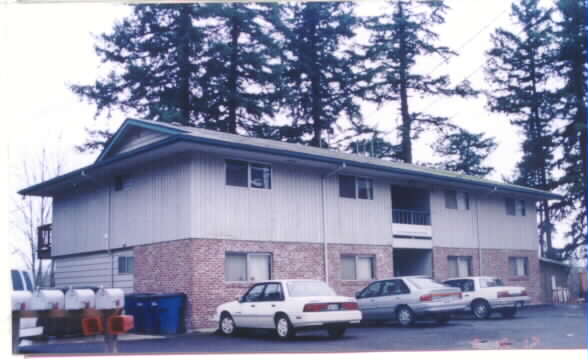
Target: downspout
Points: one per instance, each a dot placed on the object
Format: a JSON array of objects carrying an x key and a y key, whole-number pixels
[{"x": 324, "y": 211}]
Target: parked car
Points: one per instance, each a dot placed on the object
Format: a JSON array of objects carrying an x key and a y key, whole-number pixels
[
  {"x": 289, "y": 306},
  {"x": 22, "y": 282},
  {"x": 407, "y": 299},
  {"x": 485, "y": 295}
]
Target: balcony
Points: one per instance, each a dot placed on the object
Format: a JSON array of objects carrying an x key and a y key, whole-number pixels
[
  {"x": 411, "y": 217},
  {"x": 44, "y": 241}
]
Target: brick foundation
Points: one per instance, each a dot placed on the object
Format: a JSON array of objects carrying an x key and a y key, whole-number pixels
[
  {"x": 494, "y": 263},
  {"x": 196, "y": 267}
]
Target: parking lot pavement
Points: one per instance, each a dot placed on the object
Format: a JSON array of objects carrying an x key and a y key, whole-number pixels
[{"x": 548, "y": 327}]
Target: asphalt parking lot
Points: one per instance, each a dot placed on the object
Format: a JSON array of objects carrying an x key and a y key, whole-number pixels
[{"x": 544, "y": 327}]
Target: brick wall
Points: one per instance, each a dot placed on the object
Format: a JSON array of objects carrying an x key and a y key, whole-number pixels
[
  {"x": 494, "y": 263},
  {"x": 196, "y": 267}
]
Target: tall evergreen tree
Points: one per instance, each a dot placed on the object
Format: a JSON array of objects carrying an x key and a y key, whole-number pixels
[
  {"x": 206, "y": 65},
  {"x": 464, "y": 152},
  {"x": 318, "y": 75},
  {"x": 573, "y": 60},
  {"x": 399, "y": 38},
  {"x": 519, "y": 69}
]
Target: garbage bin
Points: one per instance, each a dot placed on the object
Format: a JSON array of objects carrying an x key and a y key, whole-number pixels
[
  {"x": 140, "y": 307},
  {"x": 171, "y": 309}
]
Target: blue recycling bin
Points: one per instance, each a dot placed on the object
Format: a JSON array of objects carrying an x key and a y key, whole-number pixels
[
  {"x": 140, "y": 306},
  {"x": 171, "y": 309}
]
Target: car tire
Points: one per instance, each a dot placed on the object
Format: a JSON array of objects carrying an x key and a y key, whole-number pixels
[
  {"x": 405, "y": 316},
  {"x": 508, "y": 313},
  {"x": 442, "y": 319},
  {"x": 284, "y": 328},
  {"x": 336, "y": 332},
  {"x": 227, "y": 325},
  {"x": 481, "y": 309}
]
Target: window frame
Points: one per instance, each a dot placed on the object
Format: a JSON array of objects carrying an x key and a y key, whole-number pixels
[
  {"x": 507, "y": 202},
  {"x": 469, "y": 260},
  {"x": 355, "y": 262},
  {"x": 125, "y": 269},
  {"x": 247, "y": 255},
  {"x": 522, "y": 204},
  {"x": 370, "y": 188},
  {"x": 466, "y": 200},
  {"x": 514, "y": 273},
  {"x": 250, "y": 164},
  {"x": 445, "y": 196}
]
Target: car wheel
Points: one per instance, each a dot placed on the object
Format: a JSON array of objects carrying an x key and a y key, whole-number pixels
[
  {"x": 508, "y": 313},
  {"x": 481, "y": 309},
  {"x": 336, "y": 332},
  {"x": 442, "y": 319},
  {"x": 284, "y": 328},
  {"x": 405, "y": 316},
  {"x": 227, "y": 325}
]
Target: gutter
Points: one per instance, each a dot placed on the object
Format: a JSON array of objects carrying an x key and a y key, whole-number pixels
[{"x": 324, "y": 211}]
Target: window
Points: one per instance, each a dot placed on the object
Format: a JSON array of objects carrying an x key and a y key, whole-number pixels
[
  {"x": 254, "y": 294},
  {"x": 490, "y": 282},
  {"x": 466, "y": 200},
  {"x": 522, "y": 207},
  {"x": 450, "y": 199},
  {"x": 357, "y": 267},
  {"x": 16, "y": 281},
  {"x": 465, "y": 285},
  {"x": 459, "y": 266},
  {"x": 244, "y": 174},
  {"x": 126, "y": 264},
  {"x": 28, "y": 281},
  {"x": 519, "y": 266},
  {"x": 394, "y": 287},
  {"x": 356, "y": 187},
  {"x": 372, "y": 290},
  {"x": 247, "y": 267},
  {"x": 118, "y": 183},
  {"x": 510, "y": 206},
  {"x": 273, "y": 292}
]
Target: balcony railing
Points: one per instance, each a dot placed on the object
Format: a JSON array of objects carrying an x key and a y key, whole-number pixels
[
  {"x": 411, "y": 217},
  {"x": 44, "y": 241}
]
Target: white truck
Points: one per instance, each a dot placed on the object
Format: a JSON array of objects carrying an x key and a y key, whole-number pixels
[
  {"x": 23, "y": 287},
  {"x": 485, "y": 295}
]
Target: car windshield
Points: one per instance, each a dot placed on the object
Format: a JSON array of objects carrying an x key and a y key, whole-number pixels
[
  {"x": 490, "y": 282},
  {"x": 309, "y": 288},
  {"x": 425, "y": 283}
]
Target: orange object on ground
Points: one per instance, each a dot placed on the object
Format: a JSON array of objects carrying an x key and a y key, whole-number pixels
[
  {"x": 120, "y": 324},
  {"x": 92, "y": 326}
]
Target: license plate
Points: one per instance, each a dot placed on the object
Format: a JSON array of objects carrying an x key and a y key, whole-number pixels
[{"x": 333, "y": 307}]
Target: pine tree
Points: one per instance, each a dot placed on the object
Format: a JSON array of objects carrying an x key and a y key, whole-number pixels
[
  {"x": 398, "y": 40},
  {"x": 572, "y": 61},
  {"x": 519, "y": 69},
  {"x": 318, "y": 71},
  {"x": 464, "y": 152}
]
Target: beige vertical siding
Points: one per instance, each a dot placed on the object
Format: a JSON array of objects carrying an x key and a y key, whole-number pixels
[{"x": 453, "y": 227}]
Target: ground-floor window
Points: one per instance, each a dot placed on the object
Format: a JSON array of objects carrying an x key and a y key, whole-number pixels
[
  {"x": 518, "y": 266},
  {"x": 357, "y": 267},
  {"x": 459, "y": 266},
  {"x": 126, "y": 264},
  {"x": 247, "y": 266}
]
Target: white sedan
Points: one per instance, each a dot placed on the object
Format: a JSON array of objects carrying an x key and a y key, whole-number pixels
[
  {"x": 486, "y": 295},
  {"x": 289, "y": 306}
]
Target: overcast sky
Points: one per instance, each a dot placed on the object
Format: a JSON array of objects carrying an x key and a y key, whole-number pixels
[{"x": 50, "y": 46}]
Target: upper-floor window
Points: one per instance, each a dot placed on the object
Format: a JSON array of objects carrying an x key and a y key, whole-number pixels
[
  {"x": 510, "y": 206},
  {"x": 518, "y": 266},
  {"x": 246, "y": 174},
  {"x": 466, "y": 200},
  {"x": 450, "y": 199},
  {"x": 354, "y": 187},
  {"x": 522, "y": 207}
]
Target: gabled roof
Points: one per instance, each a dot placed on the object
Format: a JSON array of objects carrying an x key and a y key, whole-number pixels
[{"x": 177, "y": 133}]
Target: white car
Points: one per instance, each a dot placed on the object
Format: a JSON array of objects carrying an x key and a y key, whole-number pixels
[
  {"x": 289, "y": 306},
  {"x": 486, "y": 295},
  {"x": 22, "y": 283}
]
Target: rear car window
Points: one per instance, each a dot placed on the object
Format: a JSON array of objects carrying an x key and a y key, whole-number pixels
[
  {"x": 490, "y": 282},
  {"x": 309, "y": 288},
  {"x": 424, "y": 283},
  {"x": 16, "y": 281}
]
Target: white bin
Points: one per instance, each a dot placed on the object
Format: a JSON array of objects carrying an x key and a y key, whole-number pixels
[
  {"x": 48, "y": 300},
  {"x": 79, "y": 299},
  {"x": 21, "y": 300},
  {"x": 107, "y": 299}
]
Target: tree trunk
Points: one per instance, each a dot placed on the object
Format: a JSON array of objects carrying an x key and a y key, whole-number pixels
[
  {"x": 235, "y": 33},
  {"x": 315, "y": 78},
  {"x": 184, "y": 93},
  {"x": 406, "y": 143}
]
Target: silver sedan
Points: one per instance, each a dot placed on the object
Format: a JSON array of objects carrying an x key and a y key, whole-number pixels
[{"x": 409, "y": 298}]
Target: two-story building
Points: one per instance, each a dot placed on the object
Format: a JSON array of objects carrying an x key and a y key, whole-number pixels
[{"x": 167, "y": 208}]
